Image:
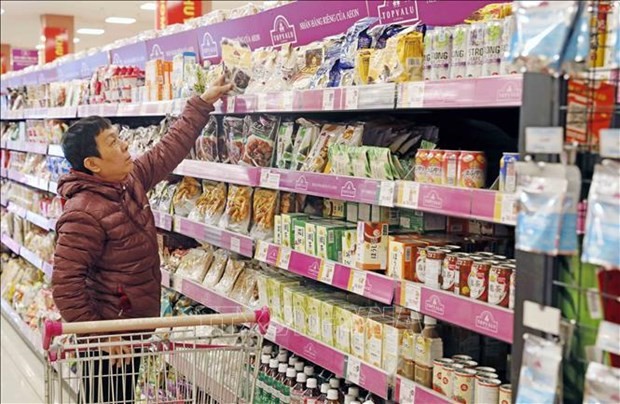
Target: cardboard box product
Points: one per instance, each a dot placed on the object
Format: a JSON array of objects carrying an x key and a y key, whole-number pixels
[
  {"x": 288, "y": 232},
  {"x": 349, "y": 247},
  {"x": 393, "y": 343},
  {"x": 421, "y": 221},
  {"x": 299, "y": 226},
  {"x": 372, "y": 245},
  {"x": 373, "y": 353},
  {"x": 182, "y": 65},
  {"x": 277, "y": 229},
  {"x": 364, "y": 212},
  {"x": 329, "y": 240},
  {"x": 358, "y": 333},
  {"x": 352, "y": 214},
  {"x": 404, "y": 254},
  {"x": 310, "y": 238},
  {"x": 333, "y": 208},
  {"x": 287, "y": 304},
  {"x": 300, "y": 312},
  {"x": 343, "y": 323},
  {"x": 313, "y": 315},
  {"x": 327, "y": 321}
]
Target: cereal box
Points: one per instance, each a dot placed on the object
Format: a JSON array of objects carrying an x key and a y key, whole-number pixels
[{"x": 372, "y": 245}]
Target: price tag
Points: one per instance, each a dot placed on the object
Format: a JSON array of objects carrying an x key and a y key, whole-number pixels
[
  {"x": 358, "y": 282},
  {"x": 415, "y": 94},
  {"x": 509, "y": 208},
  {"x": 542, "y": 318},
  {"x": 288, "y": 98},
  {"x": 548, "y": 140},
  {"x": 284, "y": 258},
  {"x": 176, "y": 224},
  {"x": 270, "y": 335},
  {"x": 351, "y": 98},
  {"x": 413, "y": 295},
  {"x": 409, "y": 194},
  {"x": 230, "y": 104},
  {"x": 594, "y": 304},
  {"x": 261, "y": 250},
  {"x": 269, "y": 179},
  {"x": 235, "y": 244},
  {"x": 327, "y": 272},
  {"x": 406, "y": 393},
  {"x": 386, "y": 193},
  {"x": 610, "y": 143},
  {"x": 354, "y": 369},
  {"x": 261, "y": 102},
  {"x": 329, "y": 98}
]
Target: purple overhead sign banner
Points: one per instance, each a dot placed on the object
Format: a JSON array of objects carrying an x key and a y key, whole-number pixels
[
  {"x": 22, "y": 58},
  {"x": 167, "y": 47},
  {"x": 129, "y": 55}
]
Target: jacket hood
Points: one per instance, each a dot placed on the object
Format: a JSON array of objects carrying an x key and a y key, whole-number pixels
[{"x": 75, "y": 182}]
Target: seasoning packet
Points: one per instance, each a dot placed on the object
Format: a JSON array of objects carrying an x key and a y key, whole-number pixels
[
  {"x": 355, "y": 38},
  {"x": 237, "y": 61},
  {"x": 187, "y": 193},
  {"x": 306, "y": 137},
  {"x": 284, "y": 149},
  {"x": 206, "y": 148},
  {"x": 238, "y": 211},
  {"x": 235, "y": 140},
  {"x": 265, "y": 202},
  {"x": 260, "y": 132}
]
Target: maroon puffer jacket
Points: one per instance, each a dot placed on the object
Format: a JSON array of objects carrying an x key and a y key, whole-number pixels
[{"x": 106, "y": 264}]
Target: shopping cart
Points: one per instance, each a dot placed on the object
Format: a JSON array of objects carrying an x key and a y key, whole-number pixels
[{"x": 186, "y": 359}]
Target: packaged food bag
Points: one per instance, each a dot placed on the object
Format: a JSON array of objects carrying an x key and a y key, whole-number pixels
[
  {"x": 238, "y": 211},
  {"x": 235, "y": 139},
  {"x": 260, "y": 132},
  {"x": 206, "y": 148},
  {"x": 265, "y": 202},
  {"x": 187, "y": 193},
  {"x": 237, "y": 60}
]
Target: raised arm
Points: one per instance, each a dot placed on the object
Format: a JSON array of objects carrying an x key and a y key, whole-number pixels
[{"x": 80, "y": 243}]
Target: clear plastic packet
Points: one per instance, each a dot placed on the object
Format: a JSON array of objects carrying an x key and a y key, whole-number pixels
[
  {"x": 540, "y": 370},
  {"x": 187, "y": 193},
  {"x": 246, "y": 288},
  {"x": 237, "y": 61},
  {"x": 235, "y": 139},
  {"x": 317, "y": 158},
  {"x": 352, "y": 136},
  {"x": 306, "y": 137},
  {"x": 229, "y": 277},
  {"x": 602, "y": 235},
  {"x": 288, "y": 203},
  {"x": 359, "y": 161},
  {"x": 578, "y": 49},
  {"x": 339, "y": 160},
  {"x": 263, "y": 62},
  {"x": 309, "y": 60},
  {"x": 381, "y": 33},
  {"x": 568, "y": 243},
  {"x": 285, "y": 141},
  {"x": 167, "y": 195},
  {"x": 260, "y": 134},
  {"x": 380, "y": 161},
  {"x": 206, "y": 148},
  {"x": 601, "y": 386},
  {"x": 215, "y": 272},
  {"x": 355, "y": 38},
  {"x": 214, "y": 202},
  {"x": 195, "y": 263},
  {"x": 238, "y": 211},
  {"x": 284, "y": 69},
  {"x": 264, "y": 203},
  {"x": 541, "y": 31}
]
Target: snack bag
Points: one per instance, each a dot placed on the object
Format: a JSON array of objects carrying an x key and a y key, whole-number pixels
[
  {"x": 355, "y": 38},
  {"x": 263, "y": 60},
  {"x": 339, "y": 161},
  {"x": 220, "y": 259},
  {"x": 317, "y": 158},
  {"x": 362, "y": 64},
  {"x": 380, "y": 163},
  {"x": 198, "y": 211},
  {"x": 284, "y": 150},
  {"x": 231, "y": 273},
  {"x": 358, "y": 156},
  {"x": 260, "y": 132},
  {"x": 235, "y": 139},
  {"x": 187, "y": 193},
  {"x": 195, "y": 263},
  {"x": 304, "y": 140},
  {"x": 214, "y": 201},
  {"x": 264, "y": 209},
  {"x": 309, "y": 60},
  {"x": 206, "y": 145},
  {"x": 238, "y": 209},
  {"x": 237, "y": 60}
]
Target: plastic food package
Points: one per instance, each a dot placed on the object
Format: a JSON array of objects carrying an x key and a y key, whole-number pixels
[
  {"x": 246, "y": 288},
  {"x": 207, "y": 144},
  {"x": 263, "y": 66},
  {"x": 187, "y": 193},
  {"x": 540, "y": 370},
  {"x": 195, "y": 263},
  {"x": 317, "y": 158},
  {"x": 601, "y": 384},
  {"x": 339, "y": 160},
  {"x": 265, "y": 202},
  {"x": 359, "y": 161},
  {"x": 237, "y": 60},
  {"x": 379, "y": 34},
  {"x": 214, "y": 274},
  {"x": 260, "y": 132},
  {"x": 356, "y": 38},
  {"x": 306, "y": 137},
  {"x": 235, "y": 140},
  {"x": 231, "y": 273},
  {"x": 380, "y": 161},
  {"x": 309, "y": 60},
  {"x": 167, "y": 195},
  {"x": 238, "y": 209},
  {"x": 211, "y": 203},
  {"x": 285, "y": 141}
]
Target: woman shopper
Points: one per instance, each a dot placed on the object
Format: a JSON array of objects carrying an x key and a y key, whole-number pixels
[{"x": 106, "y": 263}]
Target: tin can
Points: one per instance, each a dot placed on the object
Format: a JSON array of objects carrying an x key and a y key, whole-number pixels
[
  {"x": 470, "y": 364},
  {"x": 475, "y": 49},
  {"x": 434, "y": 166},
  {"x": 451, "y": 247},
  {"x": 492, "y": 48},
  {"x": 449, "y": 167},
  {"x": 486, "y": 375},
  {"x": 421, "y": 162},
  {"x": 441, "y": 56},
  {"x": 463, "y": 387},
  {"x": 499, "y": 258},
  {"x": 511, "y": 289},
  {"x": 505, "y": 394},
  {"x": 508, "y": 172},
  {"x": 499, "y": 284},
  {"x": 479, "y": 280},
  {"x": 461, "y": 275},
  {"x": 460, "y": 36},
  {"x": 472, "y": 169},
  {"x": 486, "y": 369},
  {"x": 462, "y": 358},
  {"x": 486, "y": 390},
  {"x": 448, "y": 269},
  {"x": 448, "y": 377},
  {"x": 434, "y": 261},
  {"x": 428, "y": 54},
  {"x": 485, "y": 254},
  {"x": 438, "y": 373}
]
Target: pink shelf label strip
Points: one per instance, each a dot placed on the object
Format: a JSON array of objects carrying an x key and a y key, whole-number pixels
[
  {"x": 209, "y": 298},
  {"x": 220, "y": 172},
  {"x": 9, "y": 242},
  {"x": 374, "y": 380}
]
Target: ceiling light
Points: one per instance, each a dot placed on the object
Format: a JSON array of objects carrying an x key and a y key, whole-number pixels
[
  {"x": 120, "y": 20},
  {"x": 90, "y": 31},
  {"x": 39, "y": 47},
  {"x": 2, "y": 10},
  {"x": 149, "y": 6},
  {"x": 76, "y": 40}
]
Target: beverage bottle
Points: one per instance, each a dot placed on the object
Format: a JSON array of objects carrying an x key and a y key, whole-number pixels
[
  {"x": 292, "y": 361},
  {"x": 323, "y": 396},
  {"x": 298, "y": 390},
  {"x": 260, "y": 382},
  {"x": 280, "y": 380},
  {"x": 289, "y": 383},
  {"x": 354, "y": 391},
  {"x": 332, "y": 397},
  {"x": 283, "y": 357},
  {"x": 272, "y": 392},
  {"x": 299, "y": 367},
  {"x": 312, "y": 393},
  {"x": 309, "y": 371},
  {"x": 348, "y": 399},
  {"x": 334, "y": 383}
]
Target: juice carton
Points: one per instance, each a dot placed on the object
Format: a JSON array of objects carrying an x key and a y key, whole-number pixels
[
  {"x": 372, "y": 245},
  {"x": 349, "y": 247}
]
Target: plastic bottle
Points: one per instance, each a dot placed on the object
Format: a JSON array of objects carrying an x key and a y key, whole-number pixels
[
  {"x": 312, "y": 393},
  {"x": 261, "y": 386},
  {"x": 289, "y": 383},
  {"x": 292, "y": 361},
  {"x": 348, "y": 399},
  {"x": 332, "y": 397},
  {"x": 410, "y": 337},
  {"x": 280, "y": 380},
  {"x": 323, "y": 397},
  {"x": 283, "y": 357},
  {"x": 428, "y": 348},
  {"x": 354, "y": 391},
  {"x": 298, "y": 390},
  {"x": 272, "y": 392},
  {"x": 299, "y": 367},
  {"x": 309, "y": 371},
  {"x": 334, "y": 383}
]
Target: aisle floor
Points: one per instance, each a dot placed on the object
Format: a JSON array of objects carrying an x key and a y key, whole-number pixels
[{"x": 22, "y": 377}]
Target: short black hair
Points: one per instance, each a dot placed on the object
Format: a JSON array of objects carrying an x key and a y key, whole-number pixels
[{"x": 78, "y": 142}]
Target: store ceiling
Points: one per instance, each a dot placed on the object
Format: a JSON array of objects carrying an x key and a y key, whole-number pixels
[{"x": 21, "y": 27}]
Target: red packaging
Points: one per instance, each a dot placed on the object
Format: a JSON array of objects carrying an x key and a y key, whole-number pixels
[
  {"x": 479, "y": 280},
  {"x": 461, "y": 276},
  {"x": 499, "y": 284},
  {"x": 590, "y": 109},
  {"x": 472, "y": 169},
  {"x": 434, "y": 167},
  {"x": 421, "y": 164},
  {"x": 448, "y": 271},
  {"x": 449, "y": 167}
]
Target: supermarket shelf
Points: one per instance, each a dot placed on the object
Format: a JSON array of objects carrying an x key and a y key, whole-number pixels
[
  {"x": 12, "y": 115},
  {"x": 31, "y": 147},
  {"x": 10, "y": 243},
  {"x": 482, "y": 204},
  {"x": 26, "y": 179},
  {"x": 28, "y": 255},
  {"x": 32, "y": 337},
  {"x": 235, "y": 242},
  {"x": 481, "y": 317},
  {"x": 34, "y": 218},
  {"x": 408, "y": 391},
  {"x": 230, "y": 173},
  {"x": 365, "y": 283},
  {"x": 163, "y": 220}
]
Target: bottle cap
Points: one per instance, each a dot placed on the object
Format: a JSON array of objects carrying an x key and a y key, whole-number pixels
[
  {"x": 265, "y": 359},
  {"x": 299, "y": 366},
  {"x": 292, "y": 360},
  {"x": 283, "y": 357},
  {"x": 309, "y": 370},
  {"x": 311, "y": 383},
  {"x": 354, "y": 391},
  {"x": 301, "y": 378},
  {"x": 332, "y": 394},
  {"x": 290, "y": 372},
  {"x": 267, "y": 349},
  {"x": 348, "y": 399},
  {"x": 429, "y": 320},
  {"x": 334, "y": 383},
  {"x": 273, "y": 363},
  {"x": 324, "y": 388},
  {"x": 282, "y": 368}
]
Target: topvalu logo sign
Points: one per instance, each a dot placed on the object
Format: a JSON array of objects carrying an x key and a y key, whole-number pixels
[
  {"x": 398, "y": 11},
  {"x": 156, "y": 52},
  {"x": 283, "y": 32},
  {"x": 208, "y": 46}
]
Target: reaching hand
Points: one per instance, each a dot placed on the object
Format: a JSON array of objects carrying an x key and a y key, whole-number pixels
[
  {"x": 117, "y": 349},
  {"x": 216, "y": 91}
]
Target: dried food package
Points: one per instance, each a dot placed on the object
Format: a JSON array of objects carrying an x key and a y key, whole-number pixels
[
  {"x": 401, "y": 60},
  {"x": 263, "y": 66},
  {"x": 317, "y": 158},
  {"x": 358, "y": 156},
  {"x": 307, "y": 133},
  {"x": 195, "y": 263},
  {"x": 165, "y": 202},
  {"x": 214, "y": 274},
  {"x": 260, "y": 132},
  {"x": 284, "y": 145},
  {"x": 265, "y": 202},
  {"x": 206, "y": 148},
  {"x": 187, "y": 193},
  {"x": 156, "y": 194},
  {"x": 238, "y": 209},
  {"x": 215, "y": 202},
  {"x": 288, "y": 203},
  {"x": 356, "y": 38},
  {"x": 237, "y": 60},
  {"x": 309, "y": 60},
  {"x": 380, "y": 161},
  {"x": 339, "y": 160},
  {"x": 284, "y": 69},
  {"x": 246, "y": 288},
  {"x": 231, "y": 273},
  {"x": 235, "y": 140}
]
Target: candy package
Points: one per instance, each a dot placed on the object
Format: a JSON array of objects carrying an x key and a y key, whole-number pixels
[
  {"x": 260, "y": 133},
  {"x": 540, "y": 370},
  {"x": 187, "y": 193},
  {"x": 229, "y": 277},
  {"x": 238, "y": 211},
  {"x": 356, "y": 38},
  {"x": 237, "y": 60},
  {"x": 289, "y": 203},
  {"x": 265, "y": 202},
  {"x": 215, "y": 272},
  {"x": 306, "y": 137},
  {"x": 235, "y": 139},
  {"x": 206, "y": 148},
  {"x": 285, "y": 141}
]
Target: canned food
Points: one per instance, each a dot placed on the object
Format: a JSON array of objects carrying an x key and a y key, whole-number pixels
[
  {"x": 505, "y": 394},
  {"x": 487, "y": 390},
  {"x": 448, "y": 269},
  {"x": 511, "y": 288},
  {"x": 479, "y": 280},
  {"x": 434, "y": 261},
  {"x": 499, "y": 284},
  {"x": 421, "y": 162},
  {"x": 438, "y": 373},
  {"x": 461, "y": 275},
  {"x": 471, "y": 364},
  {"x": 486, "y": 375},
  {"x": 448, "y": 377},
  {"x": 508, "y": 172},
  {"x": 486, "y": 369},
  {"x": 463, "y": 387},
  {"x": 472, "y": 169},
  {"x": 462, "y": 358},
  {"x": 499, "y": 257},
  {"x": 434, "y": 167},
  {"x": 450, "y": 167},
  {"x": 486, "y": 254},
  {"x": 424, "y": 375}
]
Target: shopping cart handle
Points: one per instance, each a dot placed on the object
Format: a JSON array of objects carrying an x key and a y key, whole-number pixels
[{"x": 51, "y": 329}]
